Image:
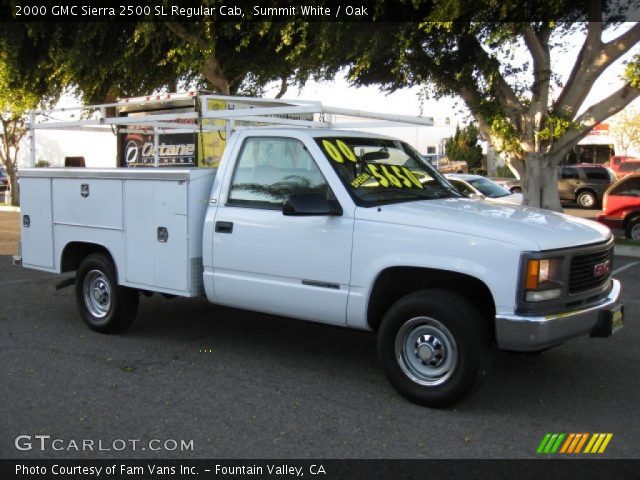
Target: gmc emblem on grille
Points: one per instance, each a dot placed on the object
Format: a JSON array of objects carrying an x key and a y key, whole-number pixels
[{"x": 601, "y": 269}]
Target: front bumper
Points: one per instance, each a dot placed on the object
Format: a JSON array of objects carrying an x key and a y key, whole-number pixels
[{"x": 532, "y": 333}]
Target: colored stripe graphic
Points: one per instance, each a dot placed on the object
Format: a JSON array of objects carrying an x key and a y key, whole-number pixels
[
  {"x": 573, "y": 443},
  {"x": 551, "y": 442},
  {"x": 598, "y": 442}
]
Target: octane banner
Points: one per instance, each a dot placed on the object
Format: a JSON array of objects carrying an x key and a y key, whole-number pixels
[
  {"x": 202, "y": 149},
  {"x": 177, "y": 149}
]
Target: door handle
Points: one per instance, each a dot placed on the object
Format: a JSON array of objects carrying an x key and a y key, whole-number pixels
[{"x": 224, "y": 227}]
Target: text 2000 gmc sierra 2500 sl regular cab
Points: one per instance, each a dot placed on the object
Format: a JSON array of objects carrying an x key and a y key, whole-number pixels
[{"x": 339, "y": 227}]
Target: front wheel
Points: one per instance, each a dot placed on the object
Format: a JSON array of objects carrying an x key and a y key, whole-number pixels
[
  {"x": 632, "y": 230},
  {"x": 586, "y": 199},
  {"x": 434, "y": 347},
  {"x": 104, "y": 305}
]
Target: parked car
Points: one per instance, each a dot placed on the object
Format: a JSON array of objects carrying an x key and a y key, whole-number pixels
[
  {"x": 4, "y": 180},
  {"x": 452, "y": 166},
  {"x": 582, "y": 183},
  {"x": 487, "y": 189},
  {"x": 511, "y": 184},
  {"x": 624, "y": 165},
  {"x": 350, "y": 229},
  {"x": 621, "y": 206}
]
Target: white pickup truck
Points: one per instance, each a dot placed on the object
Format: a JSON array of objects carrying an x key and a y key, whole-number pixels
[{"x": 332, "y": 226}]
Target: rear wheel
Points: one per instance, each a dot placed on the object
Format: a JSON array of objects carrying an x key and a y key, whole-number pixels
[
  {"x": 434, "y": 347},
  {"x": 632, "y": 230},
  {"x": 104, "y": 305},
  {"x": 586, "y": 199}
]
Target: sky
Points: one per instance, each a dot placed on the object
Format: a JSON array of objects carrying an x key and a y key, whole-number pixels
[{"x": 99, "y": 149}]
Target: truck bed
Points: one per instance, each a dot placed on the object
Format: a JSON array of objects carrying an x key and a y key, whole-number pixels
[{"x": 156, "y": 213}]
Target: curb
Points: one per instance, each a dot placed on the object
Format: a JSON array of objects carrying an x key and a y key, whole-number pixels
[
  {"x": 9, "y": 209},
  {"x": 626, "y": 251}
]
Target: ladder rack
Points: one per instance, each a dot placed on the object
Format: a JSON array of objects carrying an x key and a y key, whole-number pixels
[{"x": 240, "y": 112}]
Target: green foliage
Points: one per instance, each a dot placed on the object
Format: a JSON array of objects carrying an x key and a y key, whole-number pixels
[
  {"x": 101, "y": 61},
  {"x": 42, "y": 164},
  {"x": 555, "y": 127},
  {"x": 632, "y": 72},
  {"x": 504, "y": 171},
  {"x": 464, "y": 146}
]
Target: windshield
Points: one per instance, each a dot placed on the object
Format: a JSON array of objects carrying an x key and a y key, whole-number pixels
[
  {"x": 379, "y": 171},
  {"x": 488, "y": 188}
]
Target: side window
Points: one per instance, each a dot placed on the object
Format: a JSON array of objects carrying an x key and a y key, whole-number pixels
[
  {"x": 569, "y": 173},
  {"x": 597, "y": 174},
  {"x": 461, "y": 187},
  {"x": 630, "y": 187},
  {"x": 270, "y": 168}
]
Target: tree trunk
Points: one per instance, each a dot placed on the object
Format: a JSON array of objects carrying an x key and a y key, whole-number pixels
[
  {"x": 212, "y": 71},
  {"x": 540, "y": 182},
  {"x": 14, "y": 188}
]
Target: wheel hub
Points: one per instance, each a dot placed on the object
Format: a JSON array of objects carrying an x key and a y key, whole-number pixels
[
  {"x": 430, "y": 350},
  {"x": 97, "y": 293},
  {"x": 100, "y": 292},
  {"x": 426, "y": 351}
]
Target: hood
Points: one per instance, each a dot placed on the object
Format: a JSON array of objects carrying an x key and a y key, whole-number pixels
[{"x": 530, "y": 228}]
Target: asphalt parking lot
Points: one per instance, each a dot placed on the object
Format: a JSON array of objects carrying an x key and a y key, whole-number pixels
[{"x": 236, "y": 384}]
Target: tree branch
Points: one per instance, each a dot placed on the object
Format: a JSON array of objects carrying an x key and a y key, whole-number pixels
[
  {"x": 211, "y": 67},
  {"x": 538, "y": 46},
  {"x": 182, "y": 32},
  {"x": 598, "y": 113},
  {"x": 284, "y": 85},
  {"x": 504, "y": 92},
  {"x": 593, "y": 60}
]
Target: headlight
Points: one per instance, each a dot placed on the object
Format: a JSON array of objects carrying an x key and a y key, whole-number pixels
[{"x": 543, "y": 279}]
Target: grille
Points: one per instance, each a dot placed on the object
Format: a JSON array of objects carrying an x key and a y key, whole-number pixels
[{"x": 582, "y": 277}]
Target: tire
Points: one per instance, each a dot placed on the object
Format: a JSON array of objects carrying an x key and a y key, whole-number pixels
[
  {"x": 105, "y": 306},
  {"x": 632, "y": 230},
  {"x": 587, "y": 199},
  {"x": 454, "y": 352}
]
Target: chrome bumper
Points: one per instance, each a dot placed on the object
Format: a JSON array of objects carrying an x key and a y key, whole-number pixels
[{"x": 527, "y": 334}]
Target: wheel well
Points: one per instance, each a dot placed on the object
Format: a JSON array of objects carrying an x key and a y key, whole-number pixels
[
  {"x": 75, "y": 252},
  {"x": 628, "y": 218},
  {"x": 394, "y": 283}
]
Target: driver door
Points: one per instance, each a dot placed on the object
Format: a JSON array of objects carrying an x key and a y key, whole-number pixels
[{"x": 263, "y": 260}]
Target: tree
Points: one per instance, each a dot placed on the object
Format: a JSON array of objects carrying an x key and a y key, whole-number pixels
[
  {"x": 626, "y": 129},
  {"x": 102, "y": 61},
  {"x": 18, "y": 95},
  {"x": 473, "y": 56},
  {"x": 464, "y": 146}
]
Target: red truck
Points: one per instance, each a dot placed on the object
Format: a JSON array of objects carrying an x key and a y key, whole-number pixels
[{"x": 623, "y": 165}]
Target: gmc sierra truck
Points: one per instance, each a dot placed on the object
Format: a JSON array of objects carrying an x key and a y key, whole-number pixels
[{"x": 339, "y": 227}]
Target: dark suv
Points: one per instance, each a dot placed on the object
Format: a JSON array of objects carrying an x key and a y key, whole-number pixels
[
  {"x": 4, "y": 180},
  {"x": 584, "y": 183}
]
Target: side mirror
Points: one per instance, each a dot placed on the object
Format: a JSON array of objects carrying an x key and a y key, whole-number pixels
[{"x": 306, "y": 204}]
